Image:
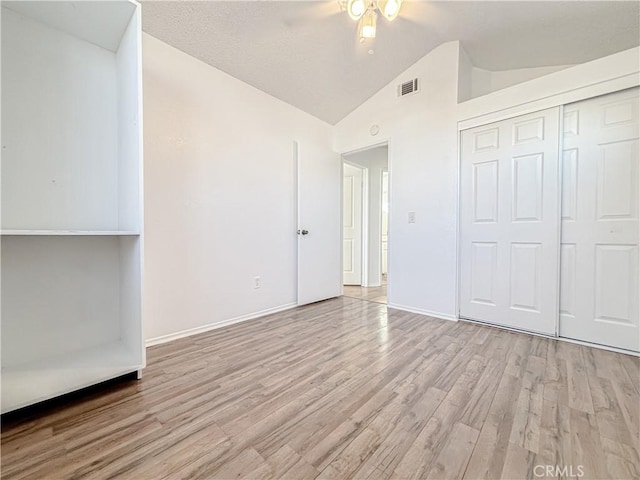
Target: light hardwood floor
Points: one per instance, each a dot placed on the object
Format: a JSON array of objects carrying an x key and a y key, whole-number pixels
[
  {"x": 371, "y": 294},
  {"x": 346, "y": 389}
]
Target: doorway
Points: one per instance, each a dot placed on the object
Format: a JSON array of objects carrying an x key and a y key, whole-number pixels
[{"x": 365, "y": 201}]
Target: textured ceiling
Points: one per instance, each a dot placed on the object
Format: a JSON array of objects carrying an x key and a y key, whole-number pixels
[{"x": 306, "y": 53}]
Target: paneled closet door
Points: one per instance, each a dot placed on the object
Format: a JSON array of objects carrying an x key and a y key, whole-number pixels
[
  {"x": 599, "y": 254},
  {"x": 510, "y": 221}
]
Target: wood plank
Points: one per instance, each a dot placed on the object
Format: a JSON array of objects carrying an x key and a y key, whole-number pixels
[
  {"x": 453, "y": 458},
  {"x": 525, "y": 431},
  {"x": 344, "y": 389},
  {"x": 578, "y": 380}
]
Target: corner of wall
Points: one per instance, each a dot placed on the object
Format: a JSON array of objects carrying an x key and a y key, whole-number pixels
[{"x": 465, "y": 78}]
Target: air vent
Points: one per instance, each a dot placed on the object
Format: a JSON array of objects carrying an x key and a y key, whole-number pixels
[{"x": 408, "y": 88}]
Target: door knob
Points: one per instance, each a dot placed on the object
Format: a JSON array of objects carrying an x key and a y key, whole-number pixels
[{"x": 303, "y": 232}]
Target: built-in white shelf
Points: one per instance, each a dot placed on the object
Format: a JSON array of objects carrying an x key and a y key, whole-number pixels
[
  {"x": 71, "y": 244},
  {"x": 85, "y": 233},
  {"x": 41, "y": 380}
]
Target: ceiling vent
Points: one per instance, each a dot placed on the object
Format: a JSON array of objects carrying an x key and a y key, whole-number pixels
[{"x": 408, "y": 88}]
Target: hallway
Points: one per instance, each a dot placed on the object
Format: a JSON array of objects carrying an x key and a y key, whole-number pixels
[{"x": 370, "y": 294}]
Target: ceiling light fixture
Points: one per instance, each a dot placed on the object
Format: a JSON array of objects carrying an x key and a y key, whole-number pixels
[
  {"x": 366, "y": 12},
  {"x": 356, "y": 8},
  {"x": 367, "y": 24}
]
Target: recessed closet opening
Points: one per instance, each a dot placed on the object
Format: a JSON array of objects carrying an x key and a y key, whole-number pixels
[{"x": 549, "y": 229}]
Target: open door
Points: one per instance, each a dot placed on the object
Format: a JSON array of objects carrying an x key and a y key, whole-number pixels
[{"x": 319, "y": 229}]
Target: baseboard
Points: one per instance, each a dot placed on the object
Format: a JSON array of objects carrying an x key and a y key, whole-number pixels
[
  {"x": 553, "y": 337},
  {"x": 212, "y": 326},
  {"x": 441, "y": 316},
  {"x": 601, "y": 347}
]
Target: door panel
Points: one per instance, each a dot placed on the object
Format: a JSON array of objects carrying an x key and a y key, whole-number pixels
[
  {"x": 527, "y": 188},
  {"x": 525, "y": 276},
  {"x": 352, "y": 225},
  {"x": 600, "y": 221},
  {"x": 485, "y": 192},
  {"x": 616, "y": 181},
  {"x": 318, "y": 196},
  {"x": 483, "y": 272},
  {"x": 509, "y": 222}
]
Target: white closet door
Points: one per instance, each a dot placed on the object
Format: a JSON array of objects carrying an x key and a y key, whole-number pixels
[
  {"x": 510, "y": 221},
  {"x": 599, "y": 254}
]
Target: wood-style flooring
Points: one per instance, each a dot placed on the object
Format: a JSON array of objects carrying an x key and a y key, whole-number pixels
[
  {"x": 347, "y": 389},
  {"x": 371, "y": 294}
]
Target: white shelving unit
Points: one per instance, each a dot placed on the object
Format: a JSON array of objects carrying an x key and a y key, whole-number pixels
[{"x": 71, "y": 237}]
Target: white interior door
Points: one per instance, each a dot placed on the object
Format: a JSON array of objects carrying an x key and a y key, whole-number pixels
[
  {"x": 319, "y": 229},
  {"x": 510, "y": 221},
  {"x": 352, "y": 225},
  {"x": 599, "y": 254}
]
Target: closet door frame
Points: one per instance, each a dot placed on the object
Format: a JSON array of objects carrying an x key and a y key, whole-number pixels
[{"x": 530, "y": 103}]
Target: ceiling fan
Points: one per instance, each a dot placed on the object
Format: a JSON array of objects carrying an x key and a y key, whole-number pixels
[{"x": 366, "y": 13}]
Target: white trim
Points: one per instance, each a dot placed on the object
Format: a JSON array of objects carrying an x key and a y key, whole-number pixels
[
  {"x": 600, "y": 347},
  {"x": 141, "y": 177},
  {"x": 566, "y": 97},
  {"x": 379, "y": 232},
  {"x": 505, "y": 327},
  {"x": 296, "y": 166},
  {"x": 366, "y": 147},
  {"x": 213, "y": 326},
  {"x": 559, "y": 205},
  {"x": 456, "y": 293},
  {"x": 551, "y": 337},
  {"x": 390, "y": 152},
  {"x": 441, "y": 316},
  {"x": 365, "y": 227}
]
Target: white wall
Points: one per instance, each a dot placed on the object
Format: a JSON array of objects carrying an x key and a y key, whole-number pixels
[
  {"x": 219, "y": 193},
  {"x": 219, "y": 179},
  {"x": 598, "y": 77},
  {"x": 422, "y": 131},
  {"x": 375, "y": 160},
  {"x": 476, "y": 82},
  {"x": 422, "y": 135},
  {"x": 487, "y": 81},
  {"x": 465, "y": 76}
]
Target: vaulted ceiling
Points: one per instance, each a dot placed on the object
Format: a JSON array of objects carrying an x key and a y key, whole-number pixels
[{"x": 306, "y": 53}]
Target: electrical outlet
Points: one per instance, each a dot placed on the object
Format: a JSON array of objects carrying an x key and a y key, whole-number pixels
[
  {"x": 412, "y": 217},
  {"x": 257, "y": 282}
]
